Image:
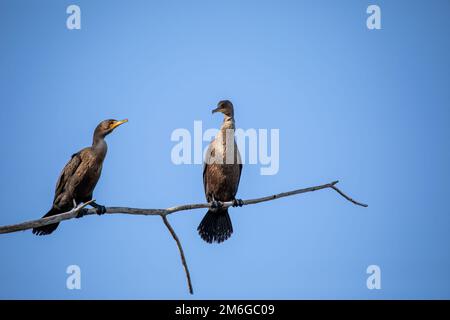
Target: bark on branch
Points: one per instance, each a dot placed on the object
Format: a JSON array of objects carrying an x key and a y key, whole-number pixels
[{"x": 164, "y": 213}]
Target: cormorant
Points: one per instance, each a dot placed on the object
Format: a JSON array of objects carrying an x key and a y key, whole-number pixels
[
  {"x": 77, "y": 180},
  {"x": 221, "y": 174}
]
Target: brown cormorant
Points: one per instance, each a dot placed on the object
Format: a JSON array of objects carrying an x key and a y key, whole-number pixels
[
  {"x": 77, "y": 180},
  {"x": 221, "y": 175}
]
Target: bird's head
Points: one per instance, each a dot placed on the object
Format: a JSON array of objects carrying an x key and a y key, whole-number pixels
[
  {"x": 226, "y": 107},
  {"x": 107, "y": 126}
]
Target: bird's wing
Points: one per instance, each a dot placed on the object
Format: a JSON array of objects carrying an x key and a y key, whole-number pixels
[
  {"x": 240, "y": 168},
  {"x": 239, "y": 177},
  {"x": 67, "y": 172},
  {"x": 205, "y": 165},
  {"x": 87, "y": 163}
]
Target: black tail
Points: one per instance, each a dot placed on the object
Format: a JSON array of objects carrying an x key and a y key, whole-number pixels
[
  {"x": 45, "y": 230},
  {"x": 215, "y": 226}
]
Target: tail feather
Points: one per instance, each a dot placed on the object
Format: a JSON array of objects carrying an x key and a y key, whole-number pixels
[
  {"x": 45, "y": 230},
  {"x": 216, "y": 226}
]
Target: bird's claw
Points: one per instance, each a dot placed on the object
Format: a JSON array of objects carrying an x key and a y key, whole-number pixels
[
  {"x": 216, "y": 204},
  {"x": 81, "y": 213},
  {"x": 100, "y": 210},
  {"x": 238, "y": 203}
]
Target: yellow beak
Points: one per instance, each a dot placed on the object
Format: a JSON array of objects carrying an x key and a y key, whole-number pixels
[{"x": 118, "y": 123}]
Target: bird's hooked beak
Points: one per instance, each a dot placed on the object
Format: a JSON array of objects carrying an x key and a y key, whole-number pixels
[
  {"x": 118, "y": 123},
  {"x": 218, "y": 109}
]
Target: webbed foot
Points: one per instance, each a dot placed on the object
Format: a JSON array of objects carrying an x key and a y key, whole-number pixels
[
  {"x": 216, "y": 204},
  {"x": 238, "y": 203},
  {"x": 100, "y": 210},
  {"x": 81, "y": 213}
]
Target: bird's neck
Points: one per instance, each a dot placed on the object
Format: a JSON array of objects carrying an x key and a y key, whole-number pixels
[
  {"x": 99, "y": 146},
  {"x": 228, "y": 123},
  {"x": 226, "y": 133}
]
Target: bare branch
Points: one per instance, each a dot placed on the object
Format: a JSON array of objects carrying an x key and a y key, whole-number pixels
[
  {"x": 347, "y": 197},
  {"x": 180, "y": 248},
  {"x": 163, "y": 213},
  {"x": 45, "y": 221}
]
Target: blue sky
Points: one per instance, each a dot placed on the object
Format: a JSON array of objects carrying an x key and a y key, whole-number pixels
[{"x": 367, "y": 107}]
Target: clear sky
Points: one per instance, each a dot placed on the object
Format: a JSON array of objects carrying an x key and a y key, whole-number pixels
[{"x": 367, "y": 107}]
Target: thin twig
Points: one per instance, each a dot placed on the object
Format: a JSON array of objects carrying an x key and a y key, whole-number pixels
[
  {"x": 180, "y": 248},
  {"x": 348, "y": 198}
]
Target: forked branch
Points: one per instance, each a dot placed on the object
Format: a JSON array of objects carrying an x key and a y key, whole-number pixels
[{"x": 164, "y": 213}]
